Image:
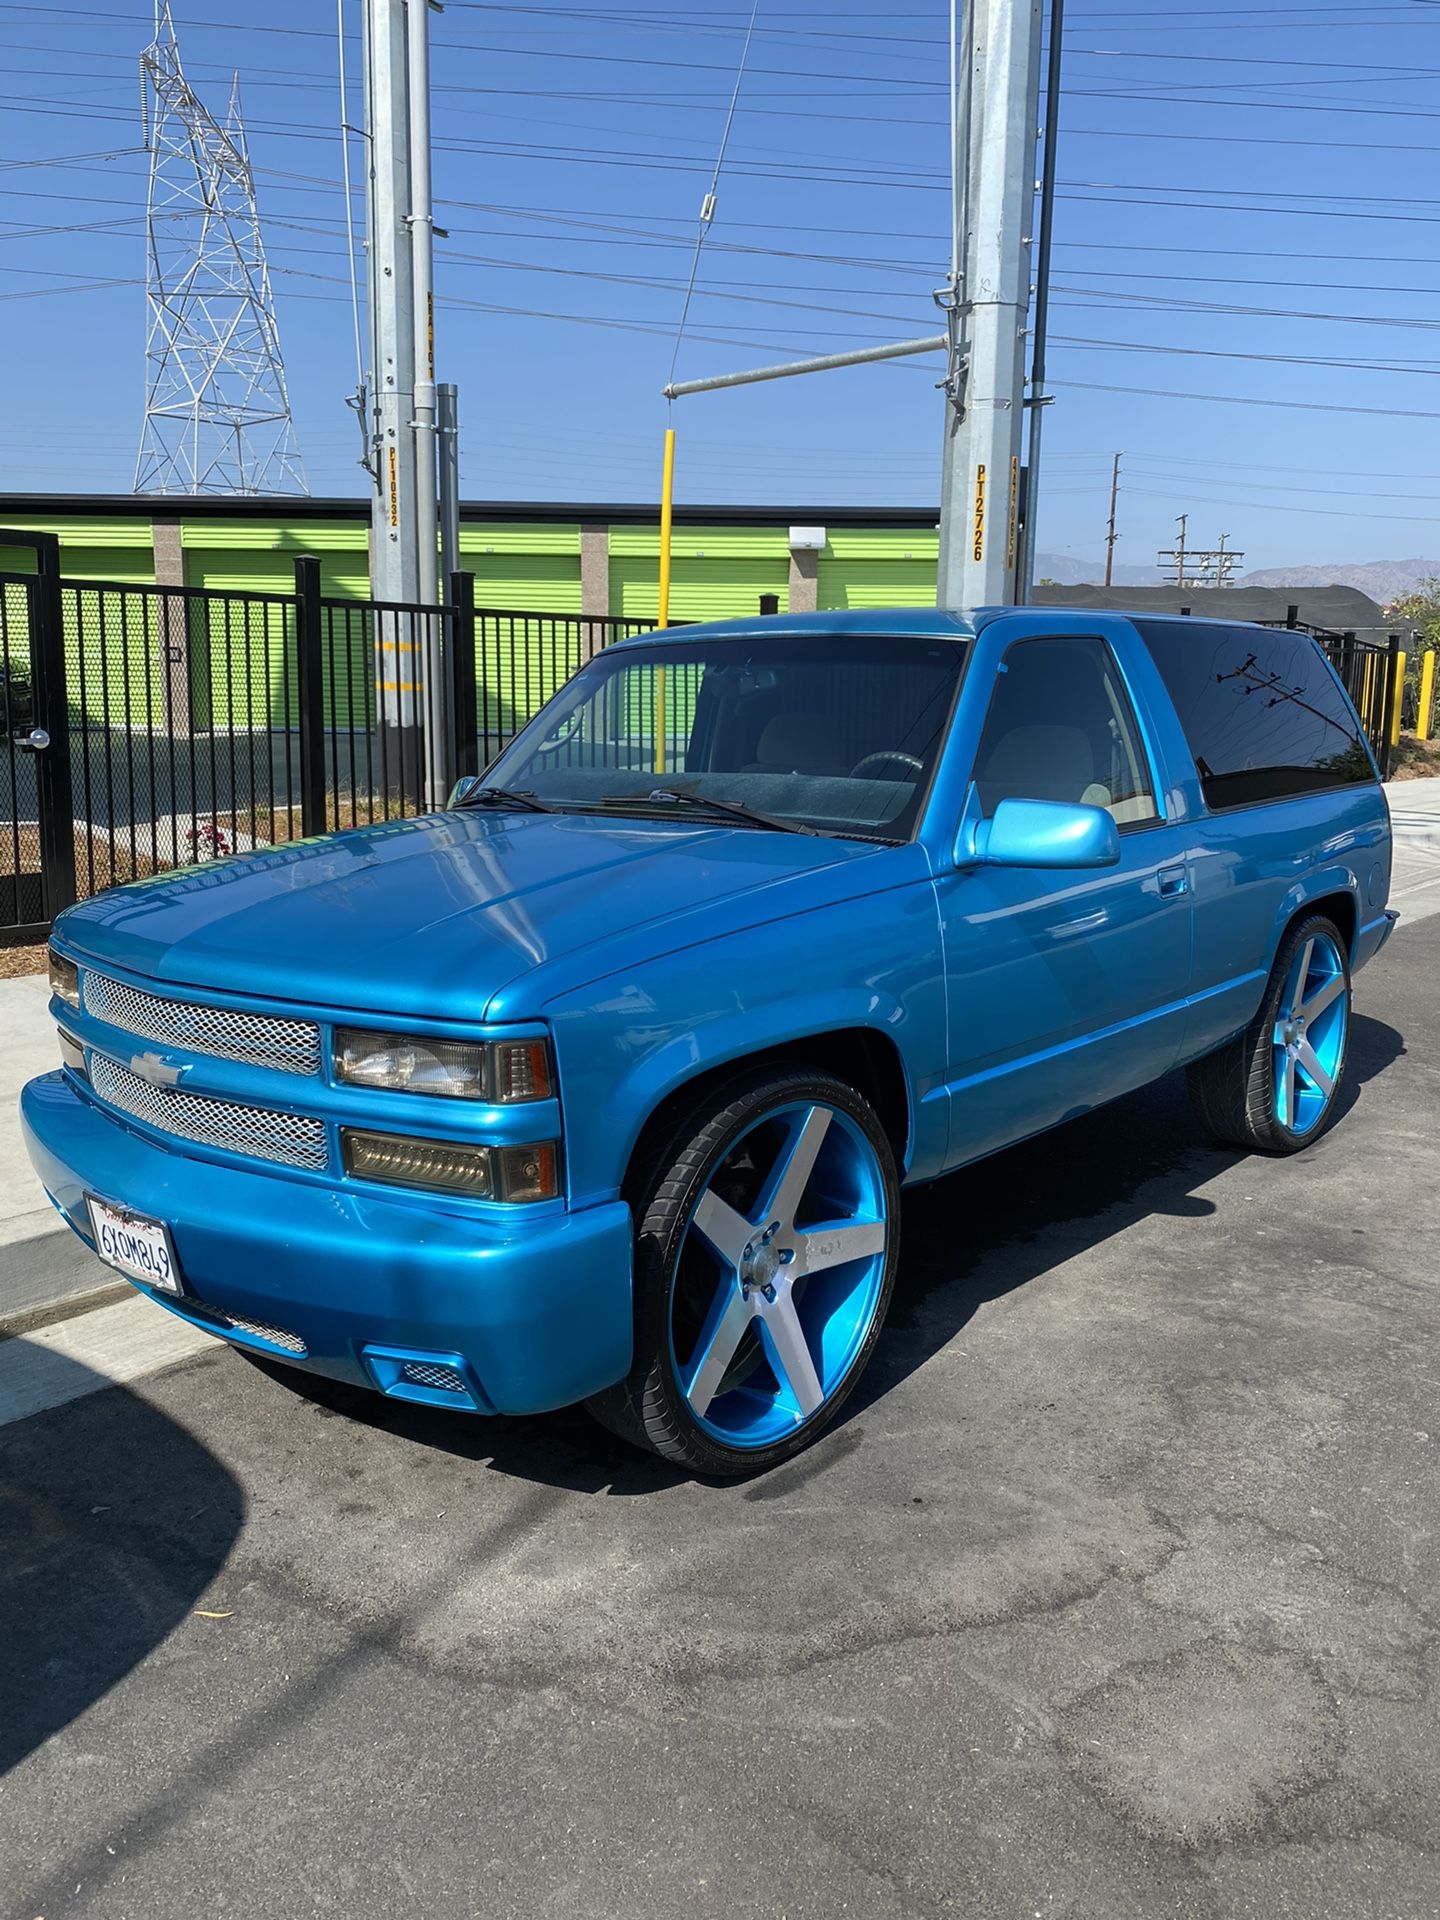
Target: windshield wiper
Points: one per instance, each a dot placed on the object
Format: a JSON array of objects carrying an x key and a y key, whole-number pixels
[
  {"x": 506, "y": 797},
  {"x": 727, "y": 809}
]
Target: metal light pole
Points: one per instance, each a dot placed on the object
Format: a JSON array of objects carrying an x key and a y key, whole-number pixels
[{"x": 980, "y": 485}]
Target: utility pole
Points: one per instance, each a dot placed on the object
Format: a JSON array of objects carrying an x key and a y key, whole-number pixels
[
  {"x": 1177, "y": 552},
  {"x": 988, "y": 304},
  {"x": 393, "y": 560},
  {"x": 1038, "y": 398},
  {"x": 400, "y": 227},
  {"x": 1111, "y": 536}
]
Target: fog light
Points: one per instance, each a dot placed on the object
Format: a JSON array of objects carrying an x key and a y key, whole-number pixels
[
  {"x": 64, "y": 979},
  {"x": 401, "y": 1161}
]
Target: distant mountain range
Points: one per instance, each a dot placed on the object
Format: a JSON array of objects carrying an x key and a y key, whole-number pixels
[
  {"x": 1382, "y": 580},
  {"x": 1066, "y": 572}
]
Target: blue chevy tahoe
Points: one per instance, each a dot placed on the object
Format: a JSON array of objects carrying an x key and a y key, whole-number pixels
[{"x": 602, "y": 1083}]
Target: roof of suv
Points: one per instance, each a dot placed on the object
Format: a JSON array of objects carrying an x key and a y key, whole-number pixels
[{"x": 926, "y": 623}]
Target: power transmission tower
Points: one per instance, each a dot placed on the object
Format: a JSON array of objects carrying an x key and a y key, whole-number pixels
[{"x": 217, "y": 413}]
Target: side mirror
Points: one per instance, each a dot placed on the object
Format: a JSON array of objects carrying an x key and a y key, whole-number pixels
[
  {"x": 1047, "y": 833},
  {"x": 463, "y": 788}
]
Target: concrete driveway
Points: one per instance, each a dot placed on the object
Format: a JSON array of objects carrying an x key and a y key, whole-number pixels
[{"x": 1114, "y": 1594}]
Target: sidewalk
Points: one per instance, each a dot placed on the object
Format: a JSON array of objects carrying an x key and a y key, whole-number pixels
[
  {"x": 41, "y": 1261},
  {"x": 1415, "y": 814}
]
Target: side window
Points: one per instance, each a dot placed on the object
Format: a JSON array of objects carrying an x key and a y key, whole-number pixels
[
  {"x": 1261, "y": 710},
  {"x": 1061, "y": 727}
]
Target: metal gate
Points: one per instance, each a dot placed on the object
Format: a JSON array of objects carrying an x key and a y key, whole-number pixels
[{"x": 147, "y": 728}]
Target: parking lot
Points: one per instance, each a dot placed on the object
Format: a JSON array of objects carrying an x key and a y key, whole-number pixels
[{"x": 1113, "y": 1592}]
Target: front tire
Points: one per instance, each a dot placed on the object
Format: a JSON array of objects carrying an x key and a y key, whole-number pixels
[
  {"x": 1273, "y": 1088},
  {"x": 766, "y": 1246}
]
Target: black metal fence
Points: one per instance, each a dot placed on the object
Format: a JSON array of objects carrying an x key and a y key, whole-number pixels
[
  {"x": 1371, "y": 672},
  {"x": 147, "y": 728}
]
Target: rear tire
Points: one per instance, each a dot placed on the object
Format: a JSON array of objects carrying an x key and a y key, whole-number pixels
[
  {"x": 767, "y": 1238},
  {"x": 1273, "y": 1088}
]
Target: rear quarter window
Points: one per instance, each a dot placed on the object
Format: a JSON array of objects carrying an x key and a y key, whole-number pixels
[{"x": 1265, "y": 717}]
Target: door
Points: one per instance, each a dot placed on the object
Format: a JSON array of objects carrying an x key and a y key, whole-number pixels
[{"x": 1065, "y": 988}]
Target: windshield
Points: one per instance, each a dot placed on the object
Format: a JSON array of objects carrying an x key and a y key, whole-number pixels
[{"x": 835, "y": 733}]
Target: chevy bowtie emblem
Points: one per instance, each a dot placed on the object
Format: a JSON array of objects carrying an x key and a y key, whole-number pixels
[{"x": 155, "y": 1068}]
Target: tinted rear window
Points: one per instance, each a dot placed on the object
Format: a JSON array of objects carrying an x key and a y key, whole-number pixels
[{"x": 1264, "y": 715}]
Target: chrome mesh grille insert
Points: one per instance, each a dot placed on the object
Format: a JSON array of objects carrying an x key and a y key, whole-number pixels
[
  {"x": 277, "y": 1336},
  {"x": 258, "y": 1039},
  {"x": 263, "y": 1134},
  {"x": 428, "y": 1373}
]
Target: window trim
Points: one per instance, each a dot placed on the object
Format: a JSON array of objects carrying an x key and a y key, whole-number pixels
[{"x": 1147, "y": 752}]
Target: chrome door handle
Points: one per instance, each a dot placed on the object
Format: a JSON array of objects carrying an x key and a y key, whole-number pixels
[
  {"x": 1173, "y": 882},
  {"x": 36, "y": 740}
]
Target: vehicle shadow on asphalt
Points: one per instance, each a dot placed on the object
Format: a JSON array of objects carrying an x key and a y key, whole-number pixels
[
  {"x": 110, "y": 1532},
  {"x": 967, "y": 1240}
]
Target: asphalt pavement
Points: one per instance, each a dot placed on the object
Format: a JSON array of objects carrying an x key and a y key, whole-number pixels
[{"x": 1114, "y": 1593}]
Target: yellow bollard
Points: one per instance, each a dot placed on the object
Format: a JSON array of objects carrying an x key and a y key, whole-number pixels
[
  {"x": 667, "y": 503},
  {"x": 1427, "y": 695},
  {"x": 1397, "y": 698},
  {"x": 667, "y": 507}
]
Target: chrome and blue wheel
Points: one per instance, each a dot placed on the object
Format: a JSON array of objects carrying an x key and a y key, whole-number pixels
[
  {"x": 1310, "y": 1031},
  {"x": 766, "y": 1253},
  {"x": 1274, "y": 1086}
]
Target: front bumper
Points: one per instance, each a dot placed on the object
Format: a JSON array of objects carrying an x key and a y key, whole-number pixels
[{"x": 537, "y": 1314}]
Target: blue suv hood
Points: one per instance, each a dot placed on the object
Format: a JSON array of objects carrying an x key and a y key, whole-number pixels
[{"x": 434, "y": 916}]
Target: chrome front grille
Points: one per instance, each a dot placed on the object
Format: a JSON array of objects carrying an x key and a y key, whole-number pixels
[
  {"x": 257, "y": 1039},
  {"x": 259, "y": 1132}
]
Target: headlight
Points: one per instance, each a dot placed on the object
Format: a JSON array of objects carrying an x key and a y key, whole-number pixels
[
  {"x": 499, "y": 1071},
  {"x": 64, "y": 979},
  {"x": 447, "y": 1166}
]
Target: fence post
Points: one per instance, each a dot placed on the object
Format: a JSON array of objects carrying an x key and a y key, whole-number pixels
[
  {"x": 1427, "y": 695},
  {"x": 310, "y": 681},
  {"x": 52, "y": 714},
  {"x": 464, "y": 737}
]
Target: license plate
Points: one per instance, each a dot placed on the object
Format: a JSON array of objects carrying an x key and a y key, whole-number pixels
[{"x": 134, "y": 1245}]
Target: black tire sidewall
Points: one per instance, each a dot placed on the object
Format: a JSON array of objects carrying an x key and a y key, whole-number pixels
[{"x": 663, "y": 1216}]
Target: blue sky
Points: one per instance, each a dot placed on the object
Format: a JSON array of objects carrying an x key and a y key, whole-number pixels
[{"x": 1245, "y": 286}]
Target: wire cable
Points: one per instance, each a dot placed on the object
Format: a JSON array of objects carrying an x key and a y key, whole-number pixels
[
  {"x": 707, "y": 206},
  {"x": 346, "y": 192}
]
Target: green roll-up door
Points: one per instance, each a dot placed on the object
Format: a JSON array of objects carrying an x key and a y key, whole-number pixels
[
  {"x": 701, "y": 587},
  {"x": 871, "y": 581},
  {"x": 525, "y": 582},
  {"x": 244, "y": 667}
]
